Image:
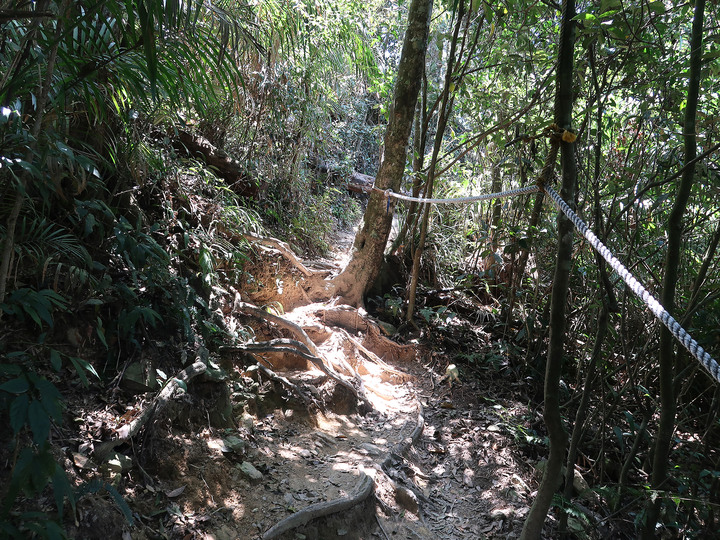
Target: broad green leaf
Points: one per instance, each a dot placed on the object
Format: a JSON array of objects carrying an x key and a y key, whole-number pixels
[
  {"x": 89, "y": 225},
  {"x": 50, "y": 398},
  {"x": 81, "y": 366},
  {"x": 62, "y": 489},
  {"x": 619, "y": 435},
  {"x": 39, "y": 422},
  {"x": 54, "y": 531},
  {"x": 65, "y": 149},
  {"x": 11, "y": 369},
  {"x": 657, "y": 7},
  {"x": 16, "y": 386},
  {"x": 18, "y": 412},
  {"x": 101, "y": 332},
  {"x": 586, "y": 16},
  {"x": 41, "y": 311},
  {"x": 55, "y": 360},
  {"x": 147, "y": 25},
  {"x": 30, "y": 168}
]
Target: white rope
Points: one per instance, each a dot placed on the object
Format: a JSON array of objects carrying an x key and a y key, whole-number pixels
[
  {"x": 461, "y": 200},
  {"x": 658, "y": 310}
]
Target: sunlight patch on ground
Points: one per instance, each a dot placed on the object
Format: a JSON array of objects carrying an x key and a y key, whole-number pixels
[
  {"x": 343, "y": 246},
  {"x": 337, "y": 426}
]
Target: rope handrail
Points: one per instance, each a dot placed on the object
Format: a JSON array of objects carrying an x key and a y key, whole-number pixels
[
  {"x": 460, "y": 200},
  {"x": 693, "y": 347},
  {"x": 707, "y": 361}
]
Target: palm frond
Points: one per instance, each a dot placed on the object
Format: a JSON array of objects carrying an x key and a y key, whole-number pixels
[{"x": 41, "y": 240}]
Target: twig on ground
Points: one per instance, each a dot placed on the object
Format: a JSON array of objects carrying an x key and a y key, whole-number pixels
[{"x": 382, "y": 529}]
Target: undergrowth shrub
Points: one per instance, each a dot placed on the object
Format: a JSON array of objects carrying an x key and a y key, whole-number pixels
[{"x": 117, "y": 271}]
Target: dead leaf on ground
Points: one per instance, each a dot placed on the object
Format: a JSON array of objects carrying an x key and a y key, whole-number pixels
[{"x": 175, "y": 492}]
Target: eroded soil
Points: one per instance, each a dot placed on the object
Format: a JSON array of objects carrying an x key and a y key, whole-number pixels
[{"x": 190, "y": 476}]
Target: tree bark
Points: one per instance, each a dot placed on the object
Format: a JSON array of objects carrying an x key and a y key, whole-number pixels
[
  {"x": 558, "y": 436},
  {"x": 443, "y": 116},
  {"x": 227, "y": 168},
  {"x": 418, "y": 146},
  {"x": 666, "y": 426},
  {"x": 496, "y": 187},
  {"x": 369, "y": 247}
]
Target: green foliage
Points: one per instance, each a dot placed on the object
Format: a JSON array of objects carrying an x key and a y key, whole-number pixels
[
  {"x": 338, "y": 211},
  {"x": 438, "y": 315},
  {"x": 38, "y": 305},
  {"x": 116, "y": 230},
  {"x": 108, "y": 228},
  {"x": 578, "y": 522},
  {"x": 32, "y": 403},
  {"x": 37, "y": 524},
  {"x": 517, "y": 426},
  {"x": 492, "y": 360},
  {"x": 394, "y": 305}
]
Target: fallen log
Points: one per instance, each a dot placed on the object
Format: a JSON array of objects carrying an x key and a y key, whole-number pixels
[
  {"x": 230, "y": 170},
  {"x": 357, "y": 182},
  {"x": 360, "y": 183},
  {"x": 282, "y": 247},
  {"x": 129, "y": 430}
]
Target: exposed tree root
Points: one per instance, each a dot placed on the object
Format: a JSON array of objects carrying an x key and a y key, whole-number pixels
[
  {"x": 308, "y": 399},
  {"x": 359, "y": 494},
  {"x": 128, "y": 431},
  {"x": 347, "y": 317},
  {"x": 376, "y": 359},
  {"x": 283, "y": 248},
  {"x": 304, "y": 347},
  {"x": 401, "y": 448},
  {"x": 290, "y": 346},
  {"x": 399, "y": 451}
]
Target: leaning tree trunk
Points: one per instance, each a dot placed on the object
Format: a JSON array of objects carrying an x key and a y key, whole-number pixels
[
  {"x": 552, "y": 476},
  {"x": 369, "y": 247},
  {"x": 672, "y": 264}
]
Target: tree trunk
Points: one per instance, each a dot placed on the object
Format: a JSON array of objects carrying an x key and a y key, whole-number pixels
[
  {"x": 443, "y": 117},
  {"x": 552, "y": 476},
  {"x": 493, "y": 264},
  {"x": 496, "y": 187},
  {"x": 419, "y": 138},
  {"x": 369, "y": 247},
  {"x": 609, "y": 305},
  {"x": 672, "y": 264}
]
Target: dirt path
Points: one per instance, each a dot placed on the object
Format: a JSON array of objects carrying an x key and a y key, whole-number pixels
[
  {"x": 442, "y": 460},
  {"x": 459, "y": 480}
]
